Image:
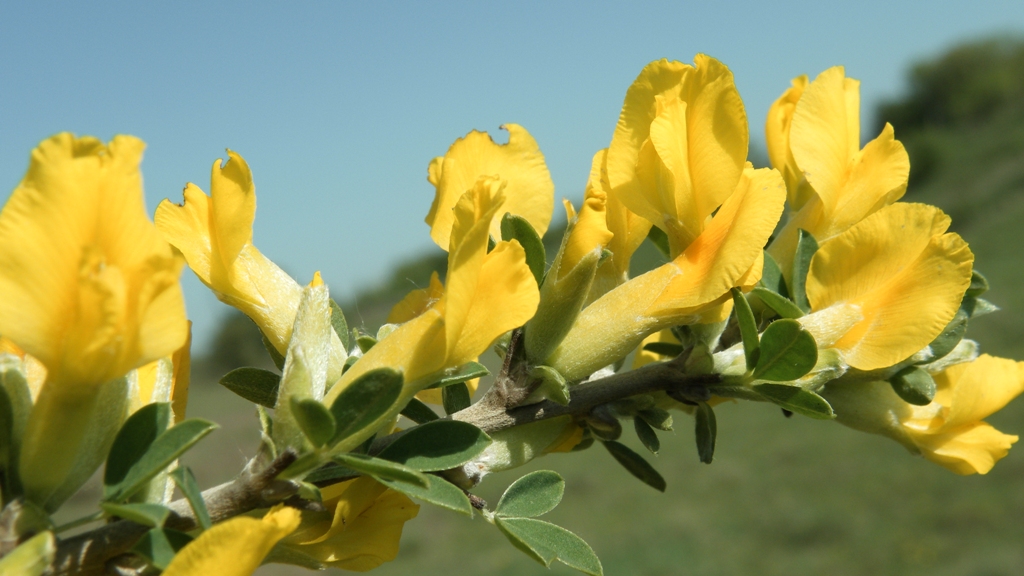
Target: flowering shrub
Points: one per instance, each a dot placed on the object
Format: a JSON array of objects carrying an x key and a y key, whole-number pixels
[{"x": 808, "y": 286}]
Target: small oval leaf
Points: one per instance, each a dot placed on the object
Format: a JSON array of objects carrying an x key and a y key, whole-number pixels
[
  {"x": 748, "y": 327},
  {"x": 159, "y": 545},
  {"x": 419, "y": 412},
  {"x": 164, "y": 450},
  {"x": 806, "y": 246},
  {"x": 147, "y": 514},
  {"x": 364, "y": 401},
  {"x": 314, "y": 419},
  {"x": 705, "y": 431},
  {"x": 780, "y": 304},
  {"x": 186, "y": 482},
  {"x": 520, "y": 229},
  {"x": 914, "y": 386},
  {"x": 455, "y": 398},
  {"x": 546, "y": 542},
  {"x": 136, "y": 435},
  {"x": 796, "y": 399},
  {"x": 382, "y": 469},
  {"x": 787, "y": 352},
  {"x": 437, "y": 445},
  {"x": 254, "y": 384},
  {"x": 438, "y": 492},
  {"x": 636, "y": 465},
  {"x": 535, "y": 494}
]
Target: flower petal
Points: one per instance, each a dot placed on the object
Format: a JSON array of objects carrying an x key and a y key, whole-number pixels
[
  {"x": 975, "y": 390},
  {"x": 906, "y": 276},
  {"x": 970, "y": 449},
  {"x": 235, "y": 547},
  {"x": 776, "y": 131},
  {"x": 529, "y": 190}
]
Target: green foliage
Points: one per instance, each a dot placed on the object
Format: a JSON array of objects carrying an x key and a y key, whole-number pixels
[
  {"x": 419, "y": 412},
  {"x": 455, "y": 398},
  {"x": 186, "y": 482},
  {"x": 787, "y": 352},
  {"x": 340, "y": 325},
  {"x": 438, "y": 492},
  {"x": 147, "y": 514},
  {"x": 796, "y": 399},
  {"x": 382, "y": 469},
  {"x": 254, "y": 384},
  {"x": 314, "y": 420},
  {"x": 464, "y": 373},
  {"x": 636, "y": 465},
  {"x": 159, "y": 545},
  {"x": 705, "y": 431},
  {"x": 771, "y": 276},
  {"x": 806, "y": 246},
  {"x": 778, "y": 303},
  {"x": 365, "y": 400},
  {"x": 545, "y": 543},
  {"x": 533, "y": 495},
  {"x": 914, "y": 386},
  {"x": 520, "y": 229},
  {"x": 437, "y": 445},
  {"x": 142, "y": 450},
  {"x": 648, "y": 437},
  {"x": 748, "y": 328}
]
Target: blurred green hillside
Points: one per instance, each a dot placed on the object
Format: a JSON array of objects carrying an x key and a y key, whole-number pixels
[{"x": 784, "y": 496}]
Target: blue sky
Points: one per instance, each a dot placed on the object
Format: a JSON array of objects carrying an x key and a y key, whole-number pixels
[{"x": 339, "y": 106}]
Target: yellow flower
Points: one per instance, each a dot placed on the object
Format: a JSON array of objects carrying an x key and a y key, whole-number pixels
[
  {"x": 415, "y": 303},
  {"x": 680, "y": 146},
  {"x": 728, "y": 253},
  {"x": 887, "y": 287},
  {"x": 90, "y": 289},
  {"x": 235, "y": 547},
  {"x": 487, "y": 294},
  {"x": 950, "y": 431},
  {"x": 215, "y": 235},
  {"x": 628, "y": 231},
  {"x": 529, "y": 191},
  {"x": 822, "y": 145},
  {"x": 359, "y": 531}
]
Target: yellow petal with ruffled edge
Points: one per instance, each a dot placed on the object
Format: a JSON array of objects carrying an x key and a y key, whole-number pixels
[
  {"x": 680, "y": 145},
  {"x": 776, "y": 132},
  {"x": 364, "y": 531},
  {"x": 850, "y": 183},
  {"x": 235, "y": 547},
  {"x": 976, "y": 390},
  {"x": 529, "y": 192},
  {"x": 970, "y": 449},
  {"x": 906, "y": 277},
  {"x": 89, "y": 287}
]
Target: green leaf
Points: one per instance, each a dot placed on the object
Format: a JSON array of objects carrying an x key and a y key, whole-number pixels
[
  {"x": 664, "y": 348},
  {"x": 914, "y": 386},
  {"x": 978, "y": 307},
  {"x": 705, "y": 432},
  {"x": 164, "y": 450},
  {"x": 979, "y": 285},
  {"x": 519, "y": 228},
  {"x": 464, "y": 373},
  {"x": 951, "y": 335},
  {"x": 658, "y": 237},
  {"x": 186, "y": 482},
  {"x": 437, "y": 445},
  {"x": 748, "y": 327},
  {"x": 328, "y": 474},
  {"x": 657, "y": 418},
  {"x": 9, "y": 481},
  {"x": 535, "y": 494},
  {"x": 314, "y": 419},
  {"x": 365, "y": 342},
  {"x": 771, "y": 276},
  {"x": 339, "y": 325},
  {"x": 780, "y": 304},
  {"x": 275, "y": 356},
  {"x": 254, "y": 384},
  {"x": 419, "y": 412},
  {"x": 806, "y": 246},
  {"x": 438, "y": 492},
  {"x": 159, "y": 545},
  {"x": 364, "y": 401},
  {"x": 145, "y": 513},
  {"x": 787, "y": 352},
  {"x": 545, "y": 543},
  {"x": 552, "y": 385},
  {"x": 636, "y": 465},
  {"x": 796, "y": 399},
  {"x": 382, "y": 469},
  {"x": 648, "y": 437},
  {"x": 134, "y": 438},
  {"x": 455, "y": 398}
]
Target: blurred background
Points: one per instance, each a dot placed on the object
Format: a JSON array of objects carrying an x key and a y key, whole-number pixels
[{"x": 338, "y": 107}]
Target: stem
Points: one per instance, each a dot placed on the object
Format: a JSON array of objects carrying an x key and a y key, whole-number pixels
[
  {"x": 94, "y": 552},
  {"x": 94, "y": 517}
]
